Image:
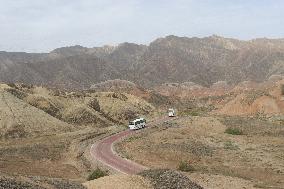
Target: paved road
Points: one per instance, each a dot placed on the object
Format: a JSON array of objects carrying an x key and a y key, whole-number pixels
[{"x": 103, "y": 151}]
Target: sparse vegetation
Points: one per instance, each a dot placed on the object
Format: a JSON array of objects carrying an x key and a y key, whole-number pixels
[
  {"x": 165, "y": 178},
  {"x": 130, "y": 139},
  {"x": 119, "y": 96},
  {"x": 205, "y": 139},
  {"x": 36, "y": 182},
  {"x": 15, "y": 131},
  {"x": 193, "y": 113},
  {"x": 94, "y": 103},
  {"x": 253, "y": 125},
  {"x": 44, "y": 104},
  {"x": 229, "y": 145},
  {"x": 81, "y": 115},
  {"x": 185, "y": 166},
  {"x": 97, "y": 173},
  {"x": 128, "y": 114},
  {"x": 251, "y": 96},
  {"x": 13, "y": 85},
  {"x": 17, "y": 93},
  {"x": 233, "y": 131},
  {"x": 194, "y": 110},
  {"x": 158, "y": 99}
]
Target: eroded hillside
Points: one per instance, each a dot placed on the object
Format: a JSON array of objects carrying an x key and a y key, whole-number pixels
[{"x": 47, "y": 132}]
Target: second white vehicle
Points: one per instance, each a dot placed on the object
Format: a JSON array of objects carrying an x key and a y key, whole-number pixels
[
  {"x": 137, "y": 124},
  {"x": 171, "y": 112}
]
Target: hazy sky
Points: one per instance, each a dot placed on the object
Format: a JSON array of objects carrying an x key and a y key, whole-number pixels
[{"x": 42, "y": 25}]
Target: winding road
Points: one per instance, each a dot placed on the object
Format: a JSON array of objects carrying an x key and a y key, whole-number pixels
[{"x": 103, "y": 151}]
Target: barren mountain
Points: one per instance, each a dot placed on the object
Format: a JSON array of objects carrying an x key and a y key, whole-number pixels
[{"x": 203, "y": 61}]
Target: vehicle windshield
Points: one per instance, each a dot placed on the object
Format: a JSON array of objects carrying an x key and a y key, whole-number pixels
[{"x": 131, "y": 123}]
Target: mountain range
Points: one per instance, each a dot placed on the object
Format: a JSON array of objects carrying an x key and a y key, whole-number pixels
[{"x": 203, "y": 61}]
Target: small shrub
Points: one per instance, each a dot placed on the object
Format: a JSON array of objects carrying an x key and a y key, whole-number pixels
[
  {"x": 190, "y": 113},
  {"x": 94, "y": 103},
  {"x": 194, "y": 113},
  {"x": 15, "y": 131},
  {"x": 13, "y": 85},
  {"x": 17, "y": 93},
  {"x": 118, "y": 96},
  {"x": 55, "y": 92},
  {"x": 194, "y": 110},
  {"x": 97, "y": 173},
  {"x": 251, "y": 96},
  {"x": 185, "y": 166},
  {"x": 229, "y": 145},
  {"x": 233, "y": 131},
  {"x": 128, "y": 114},
  {"x": 131, "y": 139},
  {"x": 27, "y": 86}
]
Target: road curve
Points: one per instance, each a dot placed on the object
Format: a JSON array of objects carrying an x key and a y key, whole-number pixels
[{"x": 103, "y": 151}]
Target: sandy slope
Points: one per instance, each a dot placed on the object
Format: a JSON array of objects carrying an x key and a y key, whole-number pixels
[
  {"x": 119, "y": 181},
  {"x": 19, "y": 119}
]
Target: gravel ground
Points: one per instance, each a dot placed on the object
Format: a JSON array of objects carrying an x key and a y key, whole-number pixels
[
  {"x": 58, "y": 183},
  {"x": 37, "y": 183},
  {"x": 12, "y": 183},
  {"x": 168, "y": 179}
]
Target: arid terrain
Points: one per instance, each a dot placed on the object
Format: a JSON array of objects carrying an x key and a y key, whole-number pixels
[
  {"x": 252, "y": 158},
  {"x": 46, "y": 134},
  {"x": 57, "y": 107}
]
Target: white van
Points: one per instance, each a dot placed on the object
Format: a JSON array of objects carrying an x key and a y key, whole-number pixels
[
  {"x": 171, "y": 112},
  {"x": 137, "y": 124}
]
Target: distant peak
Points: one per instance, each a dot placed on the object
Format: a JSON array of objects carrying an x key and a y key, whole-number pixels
[
  {"x": 171, "y": 36},
  {"x": 71, "y": 47},
  {"x": 216, "y": 36},
  {"x": 70, "y": 50}
]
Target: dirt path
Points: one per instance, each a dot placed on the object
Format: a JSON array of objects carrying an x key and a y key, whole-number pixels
[{"x": 103, "y": 151}]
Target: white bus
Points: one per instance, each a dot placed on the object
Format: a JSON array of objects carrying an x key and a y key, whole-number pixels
[
  {"x": 172, "y": 112},
  {"x": 137, "y": 124}
]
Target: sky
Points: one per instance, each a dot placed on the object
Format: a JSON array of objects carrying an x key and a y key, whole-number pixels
[{"x": 43, "y": 25}]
